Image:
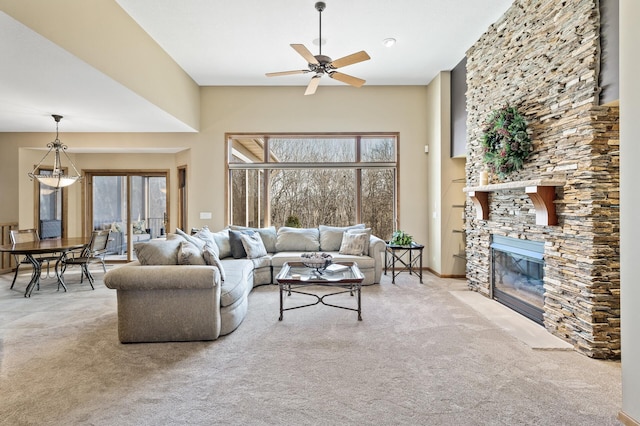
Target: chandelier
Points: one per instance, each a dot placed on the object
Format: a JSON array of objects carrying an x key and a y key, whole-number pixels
[{"x": 57, "y": 179}]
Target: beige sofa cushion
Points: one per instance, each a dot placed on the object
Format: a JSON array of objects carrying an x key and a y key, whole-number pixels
[
  {"x": 331, "y": 236},
  {"x": 238, "y": 282},
  {"x": 158, "y": 252},
  {"x": 268, "y": 235},
  {"x": 298, "y": 239},
  {"x": 222, "y": 241}
]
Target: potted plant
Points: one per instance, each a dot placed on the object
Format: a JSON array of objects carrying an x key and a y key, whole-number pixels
[
  {"x": 401, "y": 238},
  {"x": 505, "y": 141}
]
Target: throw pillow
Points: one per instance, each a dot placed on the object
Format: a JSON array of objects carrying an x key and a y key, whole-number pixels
[
  {"x": 138, "y": 227},
  {"x": 298, "y": 239},
  {"x": 171, "y": 236},
  {"x": 193, "y": 240},
  {"x": 353, "y": 244},
  {"x": 222, "y": 241},
  {"x": 331, "y": 236},
  {"x": 367, "y": 232},
  {"x": 158, "y": 252},
  {"x": 207, "y": 236},
  {"x": 211, "y": 257},
  {"x": 189, "y": 254},
  {"x": 237, "y": 249},
  {"x": 253, "y": 245},
  {"x": 269, "y": 235}
]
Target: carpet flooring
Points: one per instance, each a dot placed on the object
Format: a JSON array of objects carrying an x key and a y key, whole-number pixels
[{"x": 421, "y": 356}]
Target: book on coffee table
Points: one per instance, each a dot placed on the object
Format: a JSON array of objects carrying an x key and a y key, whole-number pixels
[{"x": 336, "y": 267}]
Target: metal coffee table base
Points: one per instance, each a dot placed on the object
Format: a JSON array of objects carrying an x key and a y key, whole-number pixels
[{"x": 288, "y": 288}]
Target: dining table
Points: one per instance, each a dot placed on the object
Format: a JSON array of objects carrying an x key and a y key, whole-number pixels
[{"x": 51, "y": 247}]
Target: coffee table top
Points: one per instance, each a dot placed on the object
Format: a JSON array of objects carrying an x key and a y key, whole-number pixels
[{"x": 297, "y": 273}]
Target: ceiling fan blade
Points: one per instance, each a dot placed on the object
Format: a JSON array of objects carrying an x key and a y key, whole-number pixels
[
  {"x": 276, "y": 74},
  {"x": 304, "y": 52},
  {"x": 354, "y": 58},
  {"x": 345, "y": 78},
  {"x": 313, "y": 85}
]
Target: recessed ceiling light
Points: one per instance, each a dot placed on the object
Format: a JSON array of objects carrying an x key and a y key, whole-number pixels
[
  {"x": 388, "y": 42},
  {"x": 316, "y": 41}
]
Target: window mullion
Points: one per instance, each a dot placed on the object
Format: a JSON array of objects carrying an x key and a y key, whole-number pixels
[{"x": 358, "y": 197}]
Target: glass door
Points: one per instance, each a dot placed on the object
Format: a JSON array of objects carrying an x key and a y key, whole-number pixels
[
  {"x": 50, "y": 209},
  {"x": 132, "y": 205}
]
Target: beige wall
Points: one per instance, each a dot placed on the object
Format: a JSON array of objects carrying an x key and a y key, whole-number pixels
[
  {"x": 75, "y": 200},
  {"x": 434, "y": 171},
  {"x": 9, "y": 170},
  {"x": 630, "y": 205},
  {"x": 442, "y": 192},
  {"x": 331, "y": 109},
  {"x": 239, "y": 109}
]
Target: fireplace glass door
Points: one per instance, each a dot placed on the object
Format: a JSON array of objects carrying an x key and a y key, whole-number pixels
[{"x": 518, "y": 276}]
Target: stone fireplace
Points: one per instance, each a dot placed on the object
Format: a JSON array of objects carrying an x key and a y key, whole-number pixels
[{"x": 543, "y": 57}]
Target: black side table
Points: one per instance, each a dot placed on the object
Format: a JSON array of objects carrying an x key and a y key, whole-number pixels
[{"x": 394, "y": 259}]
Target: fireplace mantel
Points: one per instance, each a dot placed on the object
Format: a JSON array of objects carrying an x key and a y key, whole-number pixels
[{"x": 542, "y": 192}]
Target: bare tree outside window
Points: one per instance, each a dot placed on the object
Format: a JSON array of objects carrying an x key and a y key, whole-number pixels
[
  {"x": 315, "y": 180},
  {"x": 246, "y": 197},
  {"x": 316, "y": 196}
]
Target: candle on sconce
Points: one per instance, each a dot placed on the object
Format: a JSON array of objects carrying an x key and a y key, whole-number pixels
[{"x": 484, "y": 178}]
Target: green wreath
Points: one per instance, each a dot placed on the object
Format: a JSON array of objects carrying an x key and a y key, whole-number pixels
[{"x": 505, "y": 141}]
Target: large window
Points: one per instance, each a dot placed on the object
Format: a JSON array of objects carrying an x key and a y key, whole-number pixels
[{"x": 313, "y": 180}]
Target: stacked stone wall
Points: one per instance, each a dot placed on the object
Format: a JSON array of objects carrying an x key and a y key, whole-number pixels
[{"x": 543, "y": 56}]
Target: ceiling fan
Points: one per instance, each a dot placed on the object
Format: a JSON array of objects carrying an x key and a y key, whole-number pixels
[{"x": 321, "y": 64}]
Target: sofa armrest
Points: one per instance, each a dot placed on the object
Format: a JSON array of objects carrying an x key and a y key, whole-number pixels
[
  {"x": 377, "y": 247},
  {"x": 134, "y": 276}
]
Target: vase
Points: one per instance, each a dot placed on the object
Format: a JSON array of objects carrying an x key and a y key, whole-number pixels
[{"x": 484, "y": 178}]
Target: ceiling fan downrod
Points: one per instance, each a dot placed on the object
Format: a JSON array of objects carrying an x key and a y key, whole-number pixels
[{"x": 320, "y": 6}]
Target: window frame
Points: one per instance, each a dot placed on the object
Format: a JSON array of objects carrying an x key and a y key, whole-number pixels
[{"x": 266, "y": 165}]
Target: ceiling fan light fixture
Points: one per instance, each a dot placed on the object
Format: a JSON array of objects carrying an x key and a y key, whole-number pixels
[{"x": 389, "y": 42}]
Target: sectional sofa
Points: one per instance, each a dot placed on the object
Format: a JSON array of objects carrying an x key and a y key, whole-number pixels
[{"x": 195, "y": 287}]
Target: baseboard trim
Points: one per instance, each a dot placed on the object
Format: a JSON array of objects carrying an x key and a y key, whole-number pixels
[
  {"x": 627, "y": 420},
  {"x": 444, "y": 276}
]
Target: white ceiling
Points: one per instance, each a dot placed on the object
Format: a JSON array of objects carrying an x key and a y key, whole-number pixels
[{"x": 233, "y": 43}]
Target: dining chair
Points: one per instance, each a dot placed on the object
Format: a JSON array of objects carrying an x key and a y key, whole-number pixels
[
  {"x": 94, "y": 251},
  {"x": 25, "y": 236}
]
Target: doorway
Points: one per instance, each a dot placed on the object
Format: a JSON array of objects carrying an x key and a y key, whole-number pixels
[
  {"x": 50, "y": 208},
  {"x": 132, "y": 205}
]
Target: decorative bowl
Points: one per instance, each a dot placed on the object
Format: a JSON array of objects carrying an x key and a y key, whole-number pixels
[{"x": 317, "y": 261}]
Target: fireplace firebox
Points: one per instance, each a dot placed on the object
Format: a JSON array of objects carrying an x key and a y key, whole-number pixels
[{"x": 518, "y": 274}]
